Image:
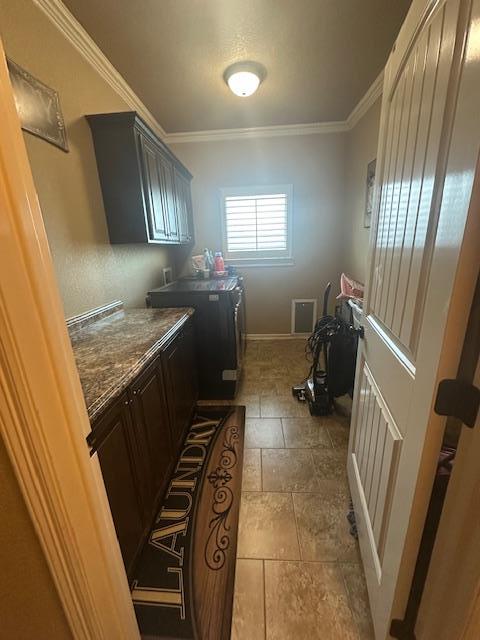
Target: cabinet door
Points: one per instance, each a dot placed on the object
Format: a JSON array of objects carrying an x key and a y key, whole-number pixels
[
  {"x": 152, "y": 429},
  {"x": 154, "y": 192},
  {"x": 168, "y": 186},
  {"x": 183, "y": 205},
  {"x": 189, "y": 212},
  {"x": 190, "y": 368},
  {"x": 181, "y": 382},
  {"x": 115, "y": 454}
]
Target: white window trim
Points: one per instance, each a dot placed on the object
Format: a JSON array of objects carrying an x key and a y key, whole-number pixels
[{"x": 258, "y": 260}]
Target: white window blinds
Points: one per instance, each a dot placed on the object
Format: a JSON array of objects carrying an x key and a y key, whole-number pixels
[{"x": 256, "y": 223}]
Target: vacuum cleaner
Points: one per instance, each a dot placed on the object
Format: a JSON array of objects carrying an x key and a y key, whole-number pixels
[{"x": 332, "y": 349}]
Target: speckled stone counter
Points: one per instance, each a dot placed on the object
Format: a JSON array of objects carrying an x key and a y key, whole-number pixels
[{"x": 110, "y": 352}]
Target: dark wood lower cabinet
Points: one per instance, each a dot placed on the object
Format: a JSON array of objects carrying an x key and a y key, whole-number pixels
[
  {"x": 138, "y": 437},
  {"x": 152, "y": 422},
  {"x": 114, "y": 441},
  {"x": 181, "y": 382}
]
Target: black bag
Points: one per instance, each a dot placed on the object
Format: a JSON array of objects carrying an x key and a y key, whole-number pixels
[{"x": 342, "y": 355}]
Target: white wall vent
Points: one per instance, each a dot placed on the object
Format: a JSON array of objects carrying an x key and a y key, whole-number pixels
[{"x": 304, "y": 315}]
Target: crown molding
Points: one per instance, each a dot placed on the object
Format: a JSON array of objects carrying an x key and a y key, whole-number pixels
[
  {"x": 339, "y": 126},
  {"x": 213, "y": 135},
  {"x": 73, "y": 31},
  {"x": 371, "y": 96}
]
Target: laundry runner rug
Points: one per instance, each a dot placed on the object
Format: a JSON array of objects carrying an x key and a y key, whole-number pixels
[{"x": 183, "y": 586}]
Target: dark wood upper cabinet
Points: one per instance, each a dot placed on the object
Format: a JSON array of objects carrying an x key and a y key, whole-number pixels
[
  {"x": 168, "y": 171},
  {"x": 146, "y": 189},
  {"x": 183, "y": 206}
]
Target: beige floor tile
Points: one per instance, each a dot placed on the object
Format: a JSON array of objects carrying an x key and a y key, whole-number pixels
[
  {"x": 339, "y": 432},
  {"x": 258, "y": 387},
  {"x": 343, "y": 406},
  {"x": 307, "y": 601},
  {"x": 282, "y": 407},
  {"x": 330, "y": 464},
  {"x": 288, "y": 470},
  {"x": 267, "y": 527},
  {"x": 265, "y": 433},
  {"x": 357, "y": 593},
  {"x": 323, "y": 529},
  {"x": 251, "y": 403},
  {"x": 248, "y": 621},
  {"x": 252, "y": 470},
  {"x": 283, "y": 387},
  {"x": 305, "y": 433},
  {"x": 268, "y": 371}
]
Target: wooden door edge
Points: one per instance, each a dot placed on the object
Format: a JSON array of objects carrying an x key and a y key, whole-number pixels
[{"x": 43, "y": 419}]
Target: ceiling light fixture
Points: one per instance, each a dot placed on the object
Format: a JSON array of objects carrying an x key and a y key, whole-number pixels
[{"x": 244, "y": 78}]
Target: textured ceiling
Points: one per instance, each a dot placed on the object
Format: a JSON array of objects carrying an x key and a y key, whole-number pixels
[{"x": 320, "y": 55}]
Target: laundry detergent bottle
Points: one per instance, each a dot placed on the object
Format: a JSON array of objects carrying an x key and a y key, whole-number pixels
[{"x": 219, "y": 263}]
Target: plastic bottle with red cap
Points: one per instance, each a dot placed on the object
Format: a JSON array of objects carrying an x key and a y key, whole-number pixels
[{"x": 219, "y": 263}]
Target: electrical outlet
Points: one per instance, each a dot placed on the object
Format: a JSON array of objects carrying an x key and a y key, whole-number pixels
[{"x": 167, "y": 275}]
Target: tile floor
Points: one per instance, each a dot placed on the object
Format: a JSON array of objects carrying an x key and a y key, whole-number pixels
[{"x": 298, "y": 570}]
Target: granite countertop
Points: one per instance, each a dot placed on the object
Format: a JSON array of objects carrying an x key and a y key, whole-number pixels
[{"x": 110, "y": 352}]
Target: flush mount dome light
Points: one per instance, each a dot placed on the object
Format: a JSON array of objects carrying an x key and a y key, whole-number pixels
[{"x": 244, "y": 78}]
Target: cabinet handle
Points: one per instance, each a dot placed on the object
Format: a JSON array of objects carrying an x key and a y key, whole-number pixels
[{"x": 127, "y": 401}]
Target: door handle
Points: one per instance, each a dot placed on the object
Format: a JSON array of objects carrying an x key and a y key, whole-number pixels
[{"x": 458, "y": 399}]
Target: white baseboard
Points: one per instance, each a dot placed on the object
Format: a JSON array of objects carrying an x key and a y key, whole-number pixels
[{"x": 277, "y": 336}]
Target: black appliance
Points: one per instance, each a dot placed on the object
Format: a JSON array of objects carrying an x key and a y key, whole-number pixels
[{"x": 219, "y": 322}]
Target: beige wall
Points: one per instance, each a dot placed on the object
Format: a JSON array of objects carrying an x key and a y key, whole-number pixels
[
  {"x": 314, "y": 164},
  {"x": 361, "y": 149},
  {"x": 328, "y": 173},
  {"x": 29, "y": 604},
  {"x": 90, "y": 271}
]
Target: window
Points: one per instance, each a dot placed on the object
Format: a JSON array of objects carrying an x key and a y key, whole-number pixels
[{"x": 257, "y": 224}]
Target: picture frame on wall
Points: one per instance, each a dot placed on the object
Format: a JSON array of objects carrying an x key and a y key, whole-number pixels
[
  {"x": 367, "y": 222},
  {"x": 38, "y": 107}
]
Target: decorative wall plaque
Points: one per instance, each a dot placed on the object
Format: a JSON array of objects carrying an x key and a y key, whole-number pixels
[{"x": 38, "y": 107}]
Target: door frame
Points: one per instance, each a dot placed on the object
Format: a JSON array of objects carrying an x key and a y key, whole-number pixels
[
  {"x": 43, "y": 418},
  {"x": 453, "y": 581}
]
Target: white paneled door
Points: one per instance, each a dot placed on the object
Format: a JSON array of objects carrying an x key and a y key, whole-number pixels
[{"x": 428, "y": 148}]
